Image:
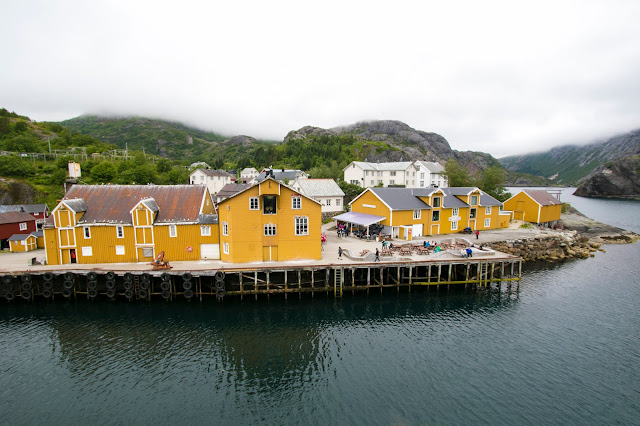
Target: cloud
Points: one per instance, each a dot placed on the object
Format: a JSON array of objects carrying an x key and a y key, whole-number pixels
[{"x": 502, "y": 77}]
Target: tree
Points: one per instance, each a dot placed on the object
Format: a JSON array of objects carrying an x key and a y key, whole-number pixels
[
  {"x": 456, "y": 174},
  {"x": 104, "y": 172},
  {"x": 350, "y": 188},
  {"x": 492, "y": 182},
  {"x": 5, "y": 126},
  {"x": 163, "y": 165}
]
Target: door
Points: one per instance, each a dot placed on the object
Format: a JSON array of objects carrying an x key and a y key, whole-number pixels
[
  {"x": 472, "y": 224},
  {"x": 417, "y": 231},
  {"x": 269, "y": 253},
  {"x": 145, "y": 254},
  {"x": 210, "y": 251},
  {"x": 435, "y": 229}
]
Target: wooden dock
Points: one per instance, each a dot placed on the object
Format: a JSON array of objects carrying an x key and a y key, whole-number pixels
[{"x": 332, "y": 279}]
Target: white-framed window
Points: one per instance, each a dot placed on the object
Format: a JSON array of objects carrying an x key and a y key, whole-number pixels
[
  {"x": 455, "y": 211},
  {"x": 120, "y": 250},
  {"x": 225, "y": 248},
  {"x": 338, "y": 202},
  {"x": 23, "y": 242},
  {"x": 436, "y": 201},
  {"x": 87, "y": 232},
  {"x": 435, "y": 216},
  {"x": 392, "y": 174},
  {"x": 487, "y": 210},
  {"x": 379, "y": 173},
  {"x": 119, "y": 231},
  {"x": 23, "y": 226},
  {"x": 147, "y": 252},
  {"x": 474, "y": 200},
  {"x": 392, "y": 181},
  {"x": 417, "y": 214},
  {"x": 328, "y": 201},
  {"x": 254, "y": 203},
  {"x": 269, "y": 229},
  {"x": 296, "y": 202},
  {"x": 205, "y": 230},
  {"x": 487, "y": 223},
  {"x": 379, "y": 181},
  {"x": 87, "y": 251},
  {"x": 302, "y": 225},
  {"x": 354, "y": 182},
  {"x": 421, "y": 175},
  {"x": 454, "y": 225},
  {"x": 421, "y": 183},
  {"x": 225, "y": 228},
  {"x": 372, "y": 182},
  {"x": 173, "y": 231}
]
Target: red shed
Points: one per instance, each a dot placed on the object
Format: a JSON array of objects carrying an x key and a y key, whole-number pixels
[{"x": 15, "y": 223}]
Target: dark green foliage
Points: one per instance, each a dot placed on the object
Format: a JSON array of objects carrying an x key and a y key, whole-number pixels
[
  {"x": 5, "y": 126},
  {"x": 350, "y": 188},
  {"x": 457, "y": 175},
  {"x": 491, "y": 180},
  {"x": 104, "y": 172},
  {"x": 11, "y": 165}
]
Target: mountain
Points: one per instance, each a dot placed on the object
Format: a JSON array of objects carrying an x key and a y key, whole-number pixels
[
  {"x": 567, "y": 165},
  {"x": 618, "y": 179}
]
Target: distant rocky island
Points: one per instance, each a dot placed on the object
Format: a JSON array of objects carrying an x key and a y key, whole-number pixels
[{"x": 619, "y": 179}]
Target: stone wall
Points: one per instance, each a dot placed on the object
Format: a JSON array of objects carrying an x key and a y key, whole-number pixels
[{"x": 552, "y": 249}]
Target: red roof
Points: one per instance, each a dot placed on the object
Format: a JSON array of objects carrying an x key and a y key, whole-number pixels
[
  {"x": 113, "y": 203},
  {"x": 15, "y": 217}
]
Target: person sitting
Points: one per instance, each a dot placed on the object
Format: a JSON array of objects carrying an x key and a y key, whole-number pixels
[
  {"x": 390, "y": 246},
  {"x": 384, "y": 245},
  {"x": 464, "y": 253},
  {"x": 437, "y": 249},
  {"x": 469, "y": 252}
]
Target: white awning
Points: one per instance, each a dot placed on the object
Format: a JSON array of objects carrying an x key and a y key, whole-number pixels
[{"x": 356, "y": 218}]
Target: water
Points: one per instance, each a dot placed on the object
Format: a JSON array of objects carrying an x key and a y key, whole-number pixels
[{"x": 565, "y": 351}]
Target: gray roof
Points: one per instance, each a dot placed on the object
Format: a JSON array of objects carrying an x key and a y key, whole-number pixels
[
  {"x": 542, "y": 197},
  {"x": 27, "y": 208},
  {"x": 19, "y": 237},
  {"x": 401, "y": 198},
  {"x": 231, "y": 189},
  {"x": 488, "y": 200},
  {"x": 151, "y": 204},
  {"x": 461, "y": 190},
  {"x": 38, "y": 234},
  {"x": 431, "y": 166},
  {"x": 213, "y": 172},
  {"x": 320, "y": 188},
  {"x": 485, "y": 199},
  {"x": 451, "y": 201},
  {"x": 77, "y": 205},
  {"x": 249, "y": 170},
  {"x": 208, "y": 219},
  {"x": 397, "y": 165},
  {"x": 290, "y": 175}
]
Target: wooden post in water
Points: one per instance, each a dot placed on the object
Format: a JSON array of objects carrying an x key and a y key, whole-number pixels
[
  {"x": 241, "y": 285},
  {"x": 255, "y": 283},
  {"x": 286, "y": 285}
]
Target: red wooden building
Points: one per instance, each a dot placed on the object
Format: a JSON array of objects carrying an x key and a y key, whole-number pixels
[{"x": 15, "y": 223}]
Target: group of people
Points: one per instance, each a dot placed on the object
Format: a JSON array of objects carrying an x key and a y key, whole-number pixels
[{"x": 342, "y": 231}]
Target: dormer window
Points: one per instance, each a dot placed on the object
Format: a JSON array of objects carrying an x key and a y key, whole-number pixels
[
  {"x": 436, "y": 201},
  {"x": 474, "y": 200}
]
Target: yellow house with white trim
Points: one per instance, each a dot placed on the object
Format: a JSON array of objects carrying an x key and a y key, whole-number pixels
[
  {"x": 22, "y": 242},
  {"x": 415, "y": 212},
  {"x": 132, "y": 223},
  {"x": 536, "y": 206},
  {"x": 269, "y": 221}
]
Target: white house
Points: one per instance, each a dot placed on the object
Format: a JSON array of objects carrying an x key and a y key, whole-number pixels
[
  {"x": 249, "y": 173},
  {"x": 214, "y": 179},
  {"x": 325, "y": 191},
  {"x": 283, "y": 175},
  {"x": 410, "y": 174},
  {"x": 430, "y": 174}
]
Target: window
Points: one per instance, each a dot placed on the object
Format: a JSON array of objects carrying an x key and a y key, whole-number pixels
[
  {"x": 269, "y": 204},
  {"x": 354, "y": 182},
  {"x": 487, "y": 210},
  {"x": 392, "y": 181},
  {"x": 87, "y": 251},
  {"x": 119, "y": 232},
  {"x": 338, "y": 202},
  {"x": 392, "y": 173},
  {"x": 87, "y": 232},
  {"x": 421, "y": 183},
  {"x": 23, "y": 226},
  {"x": 379, "y": 181},
  {"x": 296, "y": 202},
  {"x": 328, "y": 201},
  {"x": 474, "y": 200},
  {"x": 372, "y": 182},
  {"x": 417, "y": 214},
  {"x": 472, "y": 213},
  {"x": 205, "y": 231},
  {"x": 379, "y": 173},
  {"x": 269, "y": 229},
  {"x": 225, "y": 228},
  {"x": 487, "y": 223},
  {"x": 454, "y": 225},
  {"x": 455, "y": 211},
  {"x": 147, "y": 252},
  {"x": 173, "y": 232},
  {"x": 421, "y": 175},
  {"x": 436, "y": 201},
  {"x": 201, "y": 178},
  {"x": 225, "y": 248},
  {"x": 302, "y": 225},
  {"x": 254, "y": 203},
  {"x": 120, "y": 250},
  {"x": 436, "y": 215}
]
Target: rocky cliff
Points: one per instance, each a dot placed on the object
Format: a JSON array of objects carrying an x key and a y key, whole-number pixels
[{"x": 619, "y": 179}]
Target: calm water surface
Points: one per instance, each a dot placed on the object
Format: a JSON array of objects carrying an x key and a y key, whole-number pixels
[{"x": 566, "y": 350}]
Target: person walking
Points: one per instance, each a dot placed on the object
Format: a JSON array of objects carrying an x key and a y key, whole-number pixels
[
  {"x": 477, "y": 234},
  {"x": 377, "y": 255},
  {"x": 340, "y": 253}
]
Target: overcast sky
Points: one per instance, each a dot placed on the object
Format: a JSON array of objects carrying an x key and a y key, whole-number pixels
[{"x": 504, "y": 77}]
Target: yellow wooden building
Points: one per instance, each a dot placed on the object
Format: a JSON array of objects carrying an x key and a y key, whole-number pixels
[
  {"x": 406, "y": 213},
  {"x": 535, "y": 206},
  {"x": 132, "y": 223},
  {"x": 269, "y": 221},
  {"x": 23, "y": 242}
]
